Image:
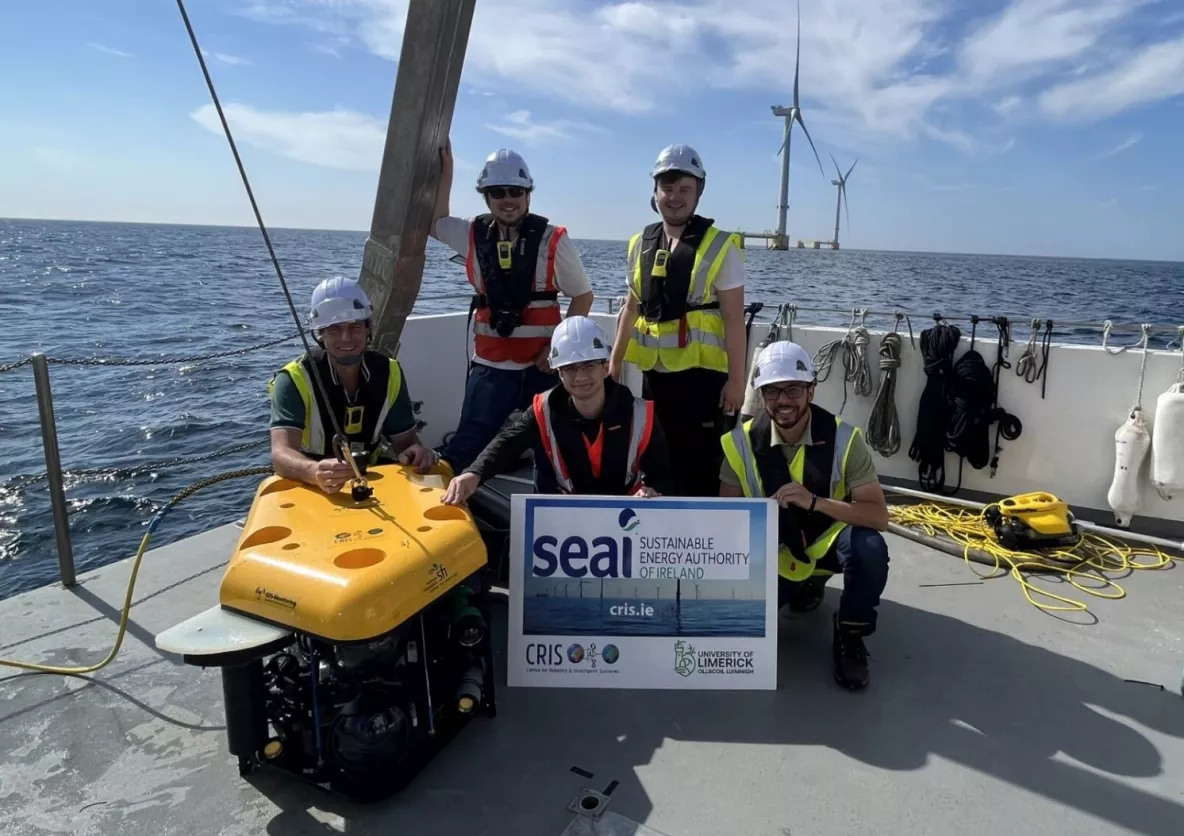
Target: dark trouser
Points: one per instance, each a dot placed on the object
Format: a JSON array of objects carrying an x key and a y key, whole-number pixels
[
  {"x": 686, "y": 404},
  {"x": 490, "y": 396},
  {"x": 861, "y": 556}
]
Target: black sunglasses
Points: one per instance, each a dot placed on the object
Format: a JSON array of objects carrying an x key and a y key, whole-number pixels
[{"x": 498, "y": 192}]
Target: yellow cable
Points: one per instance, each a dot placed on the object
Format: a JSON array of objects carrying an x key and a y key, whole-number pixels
[
  {"x": 131, "y": 585},
  {"x": 127, "y": 609},
  {"x": 1091, "y": 558}
]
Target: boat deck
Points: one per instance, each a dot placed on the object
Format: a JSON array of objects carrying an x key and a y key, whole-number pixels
[{"x": 984, "y": 716}]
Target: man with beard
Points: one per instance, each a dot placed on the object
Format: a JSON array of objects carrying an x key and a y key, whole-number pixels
[
  {"x": 683, "y": 320},
  {"x": 518, "y": 265},
  {"x": 820, "y": 471}
]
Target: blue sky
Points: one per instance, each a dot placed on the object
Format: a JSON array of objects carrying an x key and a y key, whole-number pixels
[{"x": 1047, "y": 127}]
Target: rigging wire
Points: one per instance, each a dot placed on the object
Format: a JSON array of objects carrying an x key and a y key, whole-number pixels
[{"x": 338, "y": 436}]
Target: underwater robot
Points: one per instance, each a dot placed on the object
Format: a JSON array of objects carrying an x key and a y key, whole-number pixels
[{"x": 352, "y": 630}]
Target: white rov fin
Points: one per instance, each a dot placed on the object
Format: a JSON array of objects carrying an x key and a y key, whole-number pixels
[{"x": 218, "y": 631}]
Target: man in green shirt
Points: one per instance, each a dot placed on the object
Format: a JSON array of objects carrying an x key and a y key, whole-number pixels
[
  {"x": 367, "y": 396},
  {"x": 832, "y": 509}
]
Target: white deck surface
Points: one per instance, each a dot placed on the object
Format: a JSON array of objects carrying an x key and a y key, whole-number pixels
[{"x": 984, "y": 716}]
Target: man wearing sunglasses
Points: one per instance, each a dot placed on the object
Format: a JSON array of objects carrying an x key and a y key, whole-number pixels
[
  {"x": 590, "y": 434},
  {"x": 820, "y": 471},
  {"x": 518, "y": 264}
]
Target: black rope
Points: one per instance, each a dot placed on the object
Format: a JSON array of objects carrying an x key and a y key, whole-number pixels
[
  {"x": 148, "y": 361},
  {"x": 1006, "y": 425},
  {"x": 938, "y": 345}
]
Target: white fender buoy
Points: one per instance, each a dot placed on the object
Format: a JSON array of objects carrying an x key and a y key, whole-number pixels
[
  {"x": 1131, "y": 442},
  {"x": 1167, "y": 446}
]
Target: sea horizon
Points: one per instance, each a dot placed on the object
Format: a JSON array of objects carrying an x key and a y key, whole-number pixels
[{"x": 621, "y": 241}]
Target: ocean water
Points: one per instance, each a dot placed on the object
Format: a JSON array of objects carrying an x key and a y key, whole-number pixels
[
  {"x": 642, "y": 617},
  {"x": 78, "y": 290}
]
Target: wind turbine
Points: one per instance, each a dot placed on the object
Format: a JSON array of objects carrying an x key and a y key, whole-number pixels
[
  {"x": 842, "y": 200},
  {"x": 791, "y": 114}
]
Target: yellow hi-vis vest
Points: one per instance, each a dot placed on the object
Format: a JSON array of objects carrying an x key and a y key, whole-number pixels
[
  {"x": 361, "y": 433},
  {"x": 696, "y": 339},
  {"x": 826, "y": 478}
]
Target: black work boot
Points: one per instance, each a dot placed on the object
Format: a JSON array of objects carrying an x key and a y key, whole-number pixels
[
  {"x": 850, "y": 656},
  {"x": 807, "y": 595}
]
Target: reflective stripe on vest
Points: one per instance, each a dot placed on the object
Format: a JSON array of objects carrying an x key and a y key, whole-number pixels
[
  {"x": 640, "y": 427},
  {"x": 539, "y": 317},
  {"x": 312, "y": 437},
  {"x": 742, "y": 460},
  {"x": 698, "y": 340}
]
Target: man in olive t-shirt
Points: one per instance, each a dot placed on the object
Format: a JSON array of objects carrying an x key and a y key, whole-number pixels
[{"x": 831, "y": 508}]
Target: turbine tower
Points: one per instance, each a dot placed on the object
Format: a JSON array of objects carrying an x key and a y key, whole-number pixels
[
  {"x": 791, "y": 114},
  {"x": 842, "y": 200}
]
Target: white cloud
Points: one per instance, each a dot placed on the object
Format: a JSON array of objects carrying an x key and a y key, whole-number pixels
[
  {"x": 343, "y": 139},
  {"x": 1030, "y": 35},
  {"x": 1150, "y": 74},
  {"x": 519, "y": 125},
  {"x": 337, "y": 138},
  {"x": 868, "y": 70},
  {"x": 1129, "y": 142},
  {"x": 109, "y": 51},
  {"x": 224, "y": 57},
  {"x": 1009, "y": 105}
]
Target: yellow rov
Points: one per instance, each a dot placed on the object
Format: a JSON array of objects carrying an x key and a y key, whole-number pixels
[{"x": 352, "y": 633}]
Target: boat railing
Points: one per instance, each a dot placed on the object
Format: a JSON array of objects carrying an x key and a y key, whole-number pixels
[
  {"x": 785, "y": 314},
  {"x": 40, "y": 364}
]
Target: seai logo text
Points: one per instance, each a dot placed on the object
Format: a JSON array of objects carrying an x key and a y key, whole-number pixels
[{"x": 575, "y": 557}]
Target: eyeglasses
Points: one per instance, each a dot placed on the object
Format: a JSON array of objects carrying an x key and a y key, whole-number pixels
[
  {"x": 573, "y": 369},
  {"x": 498, "y": 192},
  {"x": 795, "y": 391}
]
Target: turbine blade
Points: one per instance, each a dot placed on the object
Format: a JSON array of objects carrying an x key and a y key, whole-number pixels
[
  {"x": 838, "y": 170},
  {"x": 843, "y": 189},
  {"x": 852, "y": 168},
  {"x": 797, "y": 60},
  {"x": 785, "y": 139},
  {"x": 798, "y": 116}
]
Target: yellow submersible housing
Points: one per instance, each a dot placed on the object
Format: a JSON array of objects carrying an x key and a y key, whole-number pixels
[{"x": 352, "y": 630}]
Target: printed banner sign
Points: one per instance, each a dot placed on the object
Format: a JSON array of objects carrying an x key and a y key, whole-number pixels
[{"x": 621, "y": 592}]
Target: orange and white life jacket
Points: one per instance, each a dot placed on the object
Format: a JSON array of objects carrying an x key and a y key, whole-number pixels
[
  {"x": 610, "y": 465},
  {"x": 516, "y": 299}
]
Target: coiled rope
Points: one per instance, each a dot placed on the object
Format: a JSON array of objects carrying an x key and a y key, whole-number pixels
[
  {"x": 1083, "y": 566},
  {"x": 883, "y": 424},
  {"x": 928, "y": 450},
  {"x": 855, "y": 364},
  {"x": 131, "y": 584},
  {"x": 1027, "y": 366}
]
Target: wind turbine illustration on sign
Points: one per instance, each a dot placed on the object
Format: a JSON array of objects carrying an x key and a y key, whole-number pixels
[
  {"x": 842, "y": 201},
  {"x": 791, "y": 114}
]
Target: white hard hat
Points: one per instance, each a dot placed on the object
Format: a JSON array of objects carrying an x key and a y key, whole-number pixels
[
  {"x": 781, "y": 362},
  {"x": 680, "y": 158},
  {"x": 578, "y": 339},
  {"x": 504, "y": 168},
  {"x": 338, "y": 300}
]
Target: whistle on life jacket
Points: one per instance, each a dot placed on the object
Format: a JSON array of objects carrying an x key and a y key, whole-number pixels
[
  {"x": 504, "y": 249},
  {"x": 661, "y": 257}
]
